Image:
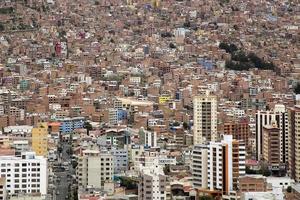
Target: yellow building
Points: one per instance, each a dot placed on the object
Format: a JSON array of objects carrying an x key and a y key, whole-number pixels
[
  {"x": 164, "y": 99},
  {"x": 156, "y": 3},
  {"x": 40, "y": 139}
]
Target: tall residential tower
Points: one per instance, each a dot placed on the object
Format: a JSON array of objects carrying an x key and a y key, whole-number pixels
[{"x": 205, "y": 118}]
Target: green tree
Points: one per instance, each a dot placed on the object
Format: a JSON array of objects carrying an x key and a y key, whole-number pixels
[
  {"x": 172, "y": 46},
  {"x": 297, "y": 88},
  {"x": 167, "y": 169},
  {"x": 2, "y": 27},
  {"x": 128, "y": 183},
  {"x": 176, "y": 124},
  {"x": 88, "y": 127},
  {"x": 206, "y": 198},
  {"x": 74, "y": 164},
  {"x": 289, "y": 189},
  {"x": 185, "y": 125}
]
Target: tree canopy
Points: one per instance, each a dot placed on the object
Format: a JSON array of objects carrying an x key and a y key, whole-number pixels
[
  {"x": 243, "y": 61},
  {"x": 297, "y": 88}
]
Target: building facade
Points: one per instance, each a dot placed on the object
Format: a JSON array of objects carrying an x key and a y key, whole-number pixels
[
  {"x": 152, "y": 184},
  {"x": 271, "y": 142},
  {"x": 25, "y": 174},
  {"x": 294, "y": 143},
  {"x": 94, "y": 168},
  {"x": 216, "y": 166},
  {"x": 39, "y": 136},
  {"x": 205, "y": 118},
  {"x": 280, "y": 116}
]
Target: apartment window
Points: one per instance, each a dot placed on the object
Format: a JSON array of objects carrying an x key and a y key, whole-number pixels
[{"x": 3, "y": 170}]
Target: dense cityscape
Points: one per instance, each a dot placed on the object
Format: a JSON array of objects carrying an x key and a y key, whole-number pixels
[{"x": 149, "y": 100}]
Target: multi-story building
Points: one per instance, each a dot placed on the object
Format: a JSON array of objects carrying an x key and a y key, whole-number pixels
[
  {"x": 239, "y": 129},
  {"x": 25, "y": 174},
  {"x": 39, "y": 136},
  {"x": 294, "y": 143},
  {"x": 67, "y": 125},
  {"x": 3, "y": 193},
  {"x": 20, "y": 146},
  {"x": 120, "y": 160},
  {"x": 271, "y": 142},
  {"x": 94, "y": 168},
  {"x": 152, "y": 184},
  {"x": 113, "y": 116},
  {"x": 205, "y": 118},
  {"x": 279, "y": 115},
  {"x": 216, "y": 166},
  {"x": 147, "y": 138},
  {"x": 252, "y": 183}
]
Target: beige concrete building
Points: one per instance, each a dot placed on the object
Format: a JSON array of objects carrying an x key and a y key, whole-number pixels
[
  {"x": 94, "y": 168},
  {"x": 205, "y": 118},
  {"x": 2, "y": 188}
]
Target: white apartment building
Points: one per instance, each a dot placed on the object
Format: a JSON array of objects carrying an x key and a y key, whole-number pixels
[
  {"x": 25, "y": 174},
  {"x": 152, "y": 184},
  {"x": 3, "y": 194},
  {"x": 205, "y": 118},
  {"x": 113, "y": 116},
  {"x": 216, "y": 166},
  {"x": 150, "y": 139},
  {"x": 94, "y": 168}
]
